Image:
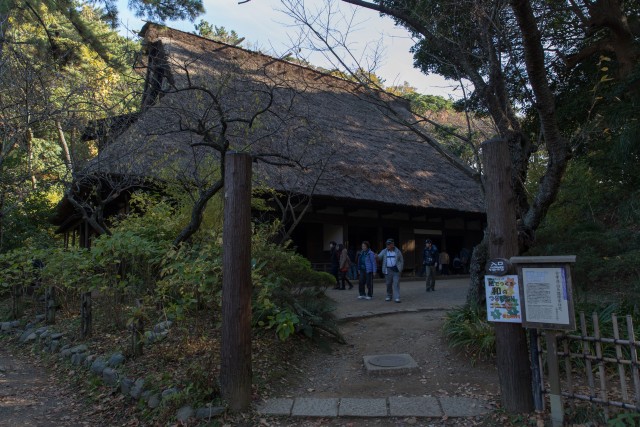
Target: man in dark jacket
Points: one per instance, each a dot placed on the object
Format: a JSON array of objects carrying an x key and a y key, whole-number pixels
[{"x": 430, "y": 262}]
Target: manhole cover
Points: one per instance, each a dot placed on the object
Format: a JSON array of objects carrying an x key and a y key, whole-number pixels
[{"x": 388, "y": 361}]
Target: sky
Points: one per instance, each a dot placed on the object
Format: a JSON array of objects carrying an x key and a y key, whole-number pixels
[{"x": 266, "y": 27}]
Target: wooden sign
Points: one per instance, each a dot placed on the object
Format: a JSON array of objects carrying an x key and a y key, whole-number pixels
[{"x": 546, "y": 292}]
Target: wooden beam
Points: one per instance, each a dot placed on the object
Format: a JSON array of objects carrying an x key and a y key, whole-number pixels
[{"x": 235, "y": 372}]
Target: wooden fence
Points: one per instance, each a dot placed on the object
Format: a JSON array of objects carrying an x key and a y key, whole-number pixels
[{"x": 600, "y": 365}]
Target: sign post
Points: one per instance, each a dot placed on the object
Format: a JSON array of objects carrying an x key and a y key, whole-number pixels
[{"x": 547, "y": 303}]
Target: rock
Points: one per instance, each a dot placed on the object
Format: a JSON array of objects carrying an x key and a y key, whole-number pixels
[
  {"x": 15, "y": 323},
  {"x": 209, "y": 412},
  {"x": 40, "y": 317},
  {"x": 184, "y": 413},
  {"x": 89, "y": 360},
  {"x": 78, "y": 358},
  {"x": 56, "y": 336},
  {"x": 162, "y": 326},
  {"x": 110, "y": 377},
  {"x": 5, "y": 326},
  {"x": 115, "y": 360},
  {"x": 82, "y": 348},
  {"x": 154, "y": 401},
  {"x": 146, "y": 395},
  {"x": 168, "y": 392},
  {"x": 137, "y": 389},
  {"x": 125, "y": 385},
  {"x": 31, "y": 337},
  {"x": 150, "y": 337},
  {"x": 98, "y": 366},
  {"x": 53, "y": 347},
  {"x": 65, "y": 353},
  {"x": 26, "y": 335},
  {"x": 41, "y": 330},
  {"x": 44, "y": 335}
]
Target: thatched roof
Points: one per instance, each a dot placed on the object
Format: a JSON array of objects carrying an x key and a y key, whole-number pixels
[{"x": 339, "y": 139}]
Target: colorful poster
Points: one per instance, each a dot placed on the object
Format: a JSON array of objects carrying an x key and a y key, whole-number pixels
[{"x": 503, "y": 299}]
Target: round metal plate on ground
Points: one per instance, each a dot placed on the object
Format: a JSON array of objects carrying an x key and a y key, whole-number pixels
[{"x": 389, "y": 361}]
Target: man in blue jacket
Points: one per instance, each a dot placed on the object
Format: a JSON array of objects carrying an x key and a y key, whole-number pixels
[
  {"x": 430, "y": 262},
  {"x": 367, "y": 266}
]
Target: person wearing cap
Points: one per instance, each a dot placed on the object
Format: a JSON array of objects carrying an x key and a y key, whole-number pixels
[
  {"x": 430, "y": 262},
  {"x": 392, "y": 264}
]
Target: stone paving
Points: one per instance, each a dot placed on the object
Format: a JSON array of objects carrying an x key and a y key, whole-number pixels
[
  {"x": 414, "y": 298},
  {"x": 422, "y": 406}
]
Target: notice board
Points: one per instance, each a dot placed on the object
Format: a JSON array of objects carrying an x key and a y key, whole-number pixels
[{"x": 546, "y": 293}]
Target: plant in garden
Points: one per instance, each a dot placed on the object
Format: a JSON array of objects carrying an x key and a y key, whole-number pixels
[
  {"x": 467, "y": 328},
  {"x": 288, "y": 294}
]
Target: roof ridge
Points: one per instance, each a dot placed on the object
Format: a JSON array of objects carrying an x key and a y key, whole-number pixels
[{"x": 149, "y": 26}]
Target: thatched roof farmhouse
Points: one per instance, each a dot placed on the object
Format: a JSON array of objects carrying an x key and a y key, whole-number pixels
[{"x": 369, "y": 174}]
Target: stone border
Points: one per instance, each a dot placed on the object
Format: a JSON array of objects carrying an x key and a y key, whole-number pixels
[
  {"x": 394, "y": 406},
  {"x": 103, "y": 367}
]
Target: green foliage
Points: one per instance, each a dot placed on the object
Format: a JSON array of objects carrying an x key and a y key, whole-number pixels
[
  {"x": 18, "y": 270},
  {"x": 467, "y": 328},
  {"x": 220, "y": 34},
  {"x": 191, "y": 275},
  {"x": 595, "y": 218},
  {"x": 288, "y": 295},
  {"x": 625, "y": 419},
  {"x": 158, "y": 10},
  {"x": 423, "y": 104}
]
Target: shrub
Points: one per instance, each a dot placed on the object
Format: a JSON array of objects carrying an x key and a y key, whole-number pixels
[{"x": 467, "y": 328}]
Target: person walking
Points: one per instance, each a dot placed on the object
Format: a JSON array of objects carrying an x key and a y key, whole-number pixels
[
  {"x": 392, "y": 264},
  {"x": 366, "y": 266},
  {"x": 334, "y": 258},
  {"x": 345, "y": 264},
  {"x": 353, "y": 270},
  {"x": 430, "y": 262},
  {"x": 444, "y": 263}
]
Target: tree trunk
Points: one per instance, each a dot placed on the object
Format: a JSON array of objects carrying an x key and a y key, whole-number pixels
[
  {"x": 235, "y": 351},
  {"x": 479, "y": 257},
  {"x": 514, "y": 370},
  {"x": 557, "y": 146},
  {"x": 34, "y": 181},
  {"x": 65, "y": 148}
]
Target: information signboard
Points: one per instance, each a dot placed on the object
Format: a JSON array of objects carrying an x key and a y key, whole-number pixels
[
  {"x": 545, "y": 292},
  {"x": 503, "y": 299}
]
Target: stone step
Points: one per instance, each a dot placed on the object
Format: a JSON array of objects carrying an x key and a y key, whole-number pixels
[{"x": 396, "y": 406}]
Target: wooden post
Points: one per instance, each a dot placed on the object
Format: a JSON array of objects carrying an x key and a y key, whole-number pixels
[
  {"x": 50, "y": 305},
  {"x": 536, "y": 381},
  {"x": 512, "y": 355},
  {"x": 555, "y": 395},
  {"x": 86, "y": 315},
  {"x": 235, "y": 369},
  {"x": 86, "y": 319},
  {"x": 137, "y": 331}
]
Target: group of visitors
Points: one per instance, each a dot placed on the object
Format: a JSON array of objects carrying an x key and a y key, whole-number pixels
[
  {"x": 347, "y": 265},
  {"x": 366, "y": 264}
]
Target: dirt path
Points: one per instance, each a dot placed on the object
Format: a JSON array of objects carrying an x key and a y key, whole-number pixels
[
  {"x": 31, "y": 396},
  {"x": 442, "y": 372}
]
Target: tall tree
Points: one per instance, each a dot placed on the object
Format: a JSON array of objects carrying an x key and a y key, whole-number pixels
[
  {"x": 53, "y": 84},
  {"x": 501, "y": 48}
]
